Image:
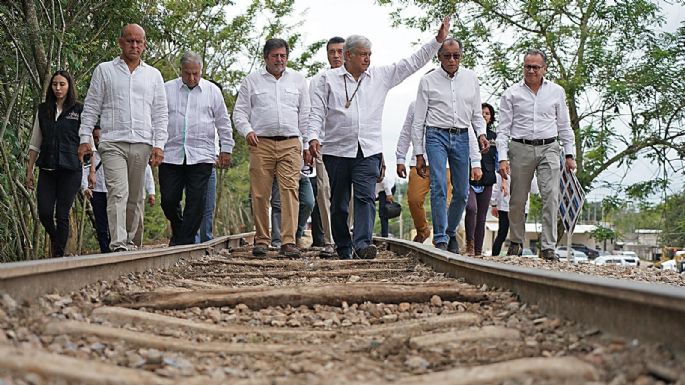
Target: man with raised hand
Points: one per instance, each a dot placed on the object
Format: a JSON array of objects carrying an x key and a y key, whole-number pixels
[
  {"x": 127, "y": 96},
  {"x": 533, "y": 120},
  {"x": 347, "y": 107},
  {"x": 271, "y": 112},
  {"x": 447, "y": 117}
]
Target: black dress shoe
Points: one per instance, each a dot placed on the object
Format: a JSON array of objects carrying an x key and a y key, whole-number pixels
[
  {"x": 441, "y": 246},
  {"x": 260, "y": 250},
  {"x": 516, "y": 249},
  {"x": 453, "y": 245},
  {"x": 549, "y": 255},
  {"x": 368, "y": 252}
]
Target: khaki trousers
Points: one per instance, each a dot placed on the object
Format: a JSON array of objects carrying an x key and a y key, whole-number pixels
[
  {"x": 525, "y": 160},
  {"x": 282, "y": 159},
  {"x": 323, "y": 199},
  {"x": 416, "y": 195},
  {"x": 124, "y": 165}
]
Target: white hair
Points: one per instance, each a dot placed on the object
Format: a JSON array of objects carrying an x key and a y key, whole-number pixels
[
  {"x": 356, "y": 42},
  {"x": 190, "y": 57}
]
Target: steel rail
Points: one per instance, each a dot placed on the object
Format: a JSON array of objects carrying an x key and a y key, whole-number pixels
[
  {"x": 31, "y": 279},
  {"x": 634, "y": 310}
]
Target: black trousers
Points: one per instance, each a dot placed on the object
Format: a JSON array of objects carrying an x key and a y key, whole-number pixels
[
  {"x": 56, "y": 192},
  {"x": 173, "y": 181},
  {"x": 502, "y": 232},
  {"x": 317, "y": 226},
  {"x": 99, "y": 203}
]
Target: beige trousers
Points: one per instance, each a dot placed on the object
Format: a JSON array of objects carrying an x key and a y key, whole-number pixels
[
  {"x": 525, "y": 160},
  {"x": 282, "y": 159},
  {"x": 124, "y": 165}
]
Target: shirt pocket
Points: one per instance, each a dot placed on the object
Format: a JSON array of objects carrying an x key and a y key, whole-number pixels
[
  {"x": 260, "y": 98},
  {"x": 291, "y": 96}
]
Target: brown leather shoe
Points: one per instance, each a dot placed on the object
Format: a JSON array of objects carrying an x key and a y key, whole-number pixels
[
  {"x": 290, "y": 251},
  {"x": 469, "y": 248},
  {"x": 422, "y": 236},
  {"x": 549, "y": 255}
]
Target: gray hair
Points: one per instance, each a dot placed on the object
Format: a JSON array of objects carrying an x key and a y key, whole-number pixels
[
  {"x": 190, "y": 57},
  {"x": 356, "y": 42},
  {"x": 450, "y": 41},
  {"x": 534, "y": 51}
]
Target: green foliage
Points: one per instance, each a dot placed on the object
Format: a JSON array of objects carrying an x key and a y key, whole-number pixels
[
  {"x": 601, "y": 234},
  {"x": 40, "y": 37},
  {"x": 623, "y": 78}
]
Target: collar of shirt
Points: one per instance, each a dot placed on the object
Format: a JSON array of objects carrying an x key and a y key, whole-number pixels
[
  {"x": 264, "y": 72},
  {"x": 445, "y": 74},
  {"x": 118, "y": 61},
  {"x": 522, "y": 83},
  {"x": 199, "y": 85},
  {"x": 342, "y": 71}
]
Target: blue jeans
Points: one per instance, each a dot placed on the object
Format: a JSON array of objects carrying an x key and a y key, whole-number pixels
[
  {"x": 443, "y": 147},
  {"x": 306, "y": 197},
  {"x": 205, "y": 232},
  {"x": 343, "y": 173}
]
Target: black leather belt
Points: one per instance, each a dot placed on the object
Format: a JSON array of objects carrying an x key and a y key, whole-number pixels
[
  {"x": 452, "y": 130},
  {"x": 278, "y": 138},
  {"x": 535, "y": 142}
]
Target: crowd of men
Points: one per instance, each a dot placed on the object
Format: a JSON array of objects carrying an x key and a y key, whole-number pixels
[{"x": 315, "y": 146}]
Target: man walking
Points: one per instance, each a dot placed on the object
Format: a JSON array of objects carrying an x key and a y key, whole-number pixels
[
  {"x": 128, "y": 97},
  {"x": 271, "y": 112},
  {"x": 197, "y": 112},
  {"x": 533, "y": 114},
  {"x": 448, "y": 110},
  {"x": 322, "y": 209},
  {"x": 347, "y": 107}
]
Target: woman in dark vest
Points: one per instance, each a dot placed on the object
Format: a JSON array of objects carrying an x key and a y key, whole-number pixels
[
  {"x": 481, "y": 190},
  {"x": 54, "y": 143}
]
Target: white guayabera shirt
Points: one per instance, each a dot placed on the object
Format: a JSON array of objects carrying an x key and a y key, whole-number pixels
[
  {"x": 131, "y": 105},
  {"x": 359, "y": 125},
  {"x": 195, "y": 117}
]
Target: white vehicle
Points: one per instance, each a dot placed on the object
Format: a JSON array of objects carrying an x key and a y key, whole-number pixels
[
  {"x": 610, "y": 260},
  {"x": 576, "y": 255},
  {"x": 668, "y": 265},
  {"x": 631, "y": 258},
  {"x": 528, "y": 253}
]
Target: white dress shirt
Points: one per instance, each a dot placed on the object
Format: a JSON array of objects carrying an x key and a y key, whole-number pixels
[
  {"x": 273, "y": 107},
  {"x": 500, "y": 195},
  {"x": 131, "y": 106},
  {"x": 525, "y": 115},
  {"x": 195, "y": 117},
  {"x": 446, "y": 102},
  {"x": 312, "y": 89},
  {"x": 385, "y": 185},
  {"x": 404, "y": 141},
  {"x": 361, "y": 123},
  {"x": 100, "y": 177}
]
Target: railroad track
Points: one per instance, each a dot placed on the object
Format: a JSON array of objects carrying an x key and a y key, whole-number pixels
[{"x": 202, "y": 314}]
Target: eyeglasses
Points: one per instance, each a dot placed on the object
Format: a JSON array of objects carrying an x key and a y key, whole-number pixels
[
  {"x": 448, "y": 56},
  {"x": 530, "y": 67}
]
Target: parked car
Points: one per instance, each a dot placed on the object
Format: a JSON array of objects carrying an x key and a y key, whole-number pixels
[
  {"x": 578, "y": 255},
  {"x": 631, "y": 258},
  {"x": 616, "y": 260},
  {"x": 592, "y": 253}
]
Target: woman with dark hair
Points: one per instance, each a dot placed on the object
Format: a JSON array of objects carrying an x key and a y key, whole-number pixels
[
  {"x": 481, "y": 190},
  {"x": 54, "y": 142}
]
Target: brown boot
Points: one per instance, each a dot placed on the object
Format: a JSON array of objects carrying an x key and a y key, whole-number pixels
[
  {"x": 469, "y": 248},
  {"x": 421, "y": 236}
]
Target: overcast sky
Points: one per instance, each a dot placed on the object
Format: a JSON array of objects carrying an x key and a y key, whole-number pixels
[{"x": 327, "y": 18}]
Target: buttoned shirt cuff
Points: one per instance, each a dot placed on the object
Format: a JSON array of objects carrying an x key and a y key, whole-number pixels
[
  {"x": 475, "y": 163},
  {"x": 502, "y": 154},
  {"x": 401, "y": 160},
  {"x": 228, "y": 149},
  {"x": 305, "y": 145},
  {"x": 34, "y": 148},
  {"x": 158, "y": 144},
  {"x": 84, "y": 139}
]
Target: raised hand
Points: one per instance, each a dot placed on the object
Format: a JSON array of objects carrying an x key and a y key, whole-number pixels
[{"x": 444, "y": 30}]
